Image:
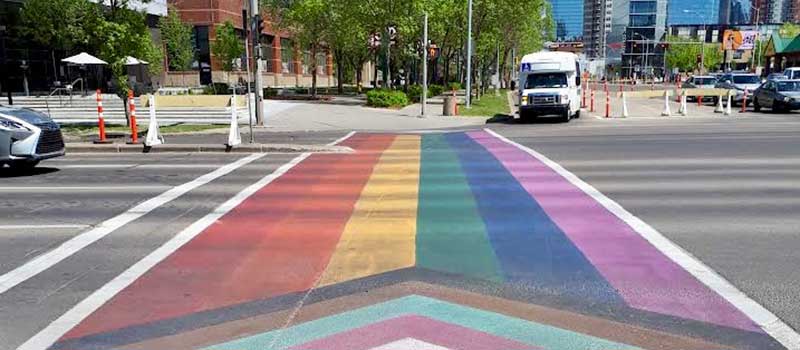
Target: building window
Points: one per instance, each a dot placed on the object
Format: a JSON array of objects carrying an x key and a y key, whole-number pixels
[
  {"x": 268, "y": 51},
  {"x": 201, "y": 47},
  {"x": 287, "y": 55},
  {"x": 306, "y": 64},
  {"x": 643, "y": 20},
  {"x": 322, "y": 62},
  {"x": 643, "y": 7}
]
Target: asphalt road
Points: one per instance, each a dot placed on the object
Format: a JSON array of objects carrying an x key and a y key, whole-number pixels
[
  {"x": 412, "y": 232},
  {"x": 726, "y": 190}
]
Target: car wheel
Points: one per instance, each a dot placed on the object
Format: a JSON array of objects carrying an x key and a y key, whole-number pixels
[
  {"x": 23, "y": 164},
  {"x": 756, "y": 105}
]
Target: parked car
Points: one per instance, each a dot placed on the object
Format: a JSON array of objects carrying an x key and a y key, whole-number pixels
[
  {"x": 792, "y": 73},
  {"x": 700, "y": 82},
  {"x": 742, "y": 83},
  {"x": 776, "y": 76},
  {"x": 778, "y": 95},
  {"x": 27, "y": 137}
]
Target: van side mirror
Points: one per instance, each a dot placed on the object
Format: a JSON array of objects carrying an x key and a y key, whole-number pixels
[{"x": 578, "y": 80}]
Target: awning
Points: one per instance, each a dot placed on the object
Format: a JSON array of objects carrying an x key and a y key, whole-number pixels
[{"x": 133, "y": 61}]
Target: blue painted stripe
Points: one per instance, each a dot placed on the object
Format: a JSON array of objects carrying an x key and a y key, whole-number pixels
[
  {"x": 531, "y": 249},
  {"x": 528, "y": 332}
]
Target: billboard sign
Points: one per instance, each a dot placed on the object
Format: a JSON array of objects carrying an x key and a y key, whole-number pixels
[{"x": 739, "y": 40}]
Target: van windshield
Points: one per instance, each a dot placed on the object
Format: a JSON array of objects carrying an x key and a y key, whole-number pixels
[{"x": 546, "y": 80}]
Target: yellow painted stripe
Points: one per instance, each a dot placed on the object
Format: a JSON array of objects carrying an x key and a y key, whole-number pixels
[{"x": 380, "y": 235}]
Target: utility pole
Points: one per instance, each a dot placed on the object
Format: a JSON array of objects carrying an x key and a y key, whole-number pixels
[
  {"x": 256, "y": 28},
  {"x": 246, "y": 26},
  {"x": 469, "y": 53},
  {"x": 424, "y": 63}
]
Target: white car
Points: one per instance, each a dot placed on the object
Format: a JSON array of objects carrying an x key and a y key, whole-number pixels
[{"x": 27, "y": 137}]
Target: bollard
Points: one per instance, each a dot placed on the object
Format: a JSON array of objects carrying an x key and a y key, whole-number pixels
[
  {"x": 591, "y": 106},
  {"x": 719, "y": 108},
  {"x": 134, "y": 130},
  {"x": 666, "y": 112},
  {"x": 684, "y": 107},
  {"x": 744, "y": 102},
  {"x": 583, "y": 96},
  {"x": 678, "y": 92},
  {"x": 700, "y": 100},
  {"x": 624, "y": 105},
  {"x": 728, "y": 107},
  {"x": 234, "y": 136},
  {"x": 153, "y": 135},
  {"x": 101, "y": 123},
  {"x": 608, "y": 105}
]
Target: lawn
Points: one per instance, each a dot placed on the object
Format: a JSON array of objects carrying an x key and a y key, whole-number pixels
[
  {"x": 82, "y": 130},
  {"x": 488, "y": 106}
]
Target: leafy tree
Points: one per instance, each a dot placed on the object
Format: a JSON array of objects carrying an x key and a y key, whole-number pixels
[
  {"x": 59, "y": 24},
  {"x": 177, "y": 37},
  {"x": 682, "y": 53},
  {"x": 227, "y": 47},
  {"x": 789, "y": 30}
]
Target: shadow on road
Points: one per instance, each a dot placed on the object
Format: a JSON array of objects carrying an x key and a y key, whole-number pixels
[
  {"x": 11, "y": 173},
  {"x": 507, "y": 119}
]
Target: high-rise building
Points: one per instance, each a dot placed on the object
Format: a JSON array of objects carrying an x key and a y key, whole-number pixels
[
  {"x": 596, "y": 26},
  {"x": 693, "y": 12},
  {"x": 734, "y": 11},
  {"x": 644, "y": 27},
  {"x": 768, "y": 11},
  {"x": 791, "y": 11},
  {"x": 568, "y": 15}
]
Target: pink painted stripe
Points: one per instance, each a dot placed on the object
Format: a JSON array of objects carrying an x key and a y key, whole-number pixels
[
  {"x": 422, "y": 328},
  {"x": 644, "y": 277}
]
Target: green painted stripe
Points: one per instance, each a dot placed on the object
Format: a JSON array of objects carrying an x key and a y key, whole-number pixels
[
  {"x": 451, "y": 236},
  {"x": 500, "y": 325}
]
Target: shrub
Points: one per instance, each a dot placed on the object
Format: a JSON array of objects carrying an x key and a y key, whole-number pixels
[
  {"x": 454, "y": 86},
  {"x": 435, "y": 90},
  {"x": 415, "y": 93},
  {"x": 386, "y": 98}
]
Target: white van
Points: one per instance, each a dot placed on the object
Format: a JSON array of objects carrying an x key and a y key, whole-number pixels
[{"x": 550, "y": 84}]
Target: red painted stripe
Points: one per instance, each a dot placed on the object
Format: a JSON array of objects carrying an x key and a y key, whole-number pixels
[{"x": 275, "y": 242}]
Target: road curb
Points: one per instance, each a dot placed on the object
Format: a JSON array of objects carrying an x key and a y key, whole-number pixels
[{"x": 205, "y": 148}]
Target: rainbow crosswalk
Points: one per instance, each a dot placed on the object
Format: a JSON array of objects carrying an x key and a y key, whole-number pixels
[{"x": 466, "y": 206}]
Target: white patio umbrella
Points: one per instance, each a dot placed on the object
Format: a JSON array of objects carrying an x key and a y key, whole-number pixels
[
  {"x": 83, "y": 59},
  {"x": 133, "y": 61}
]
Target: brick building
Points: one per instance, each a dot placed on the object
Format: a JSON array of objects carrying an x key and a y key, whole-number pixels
[{"x": 285, "y": 63}]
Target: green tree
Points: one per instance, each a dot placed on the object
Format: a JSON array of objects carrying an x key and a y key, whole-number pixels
[
  {"x": 177, "y": 37},
  {"x": 227, "y": 46},
  {"x": 789, "y": 30},
  {"x": 683, "y": 52},
  {"x": 59, "y": 24}
]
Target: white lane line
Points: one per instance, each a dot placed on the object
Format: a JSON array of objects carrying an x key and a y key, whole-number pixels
[
  {"x": 138, "y": 166},
  {"x": 341, "y": 139},
  {"x": 55, "y": 330},
  {"x": 764, "y": 318},
  {"x": 84, "y": 188},
  {"x": 32, "y": 227},
  {"x": 66, "y": 249}
]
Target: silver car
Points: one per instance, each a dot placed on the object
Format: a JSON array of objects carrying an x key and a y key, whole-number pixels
[
  {"x": 743, "y": 83},
  {"x": 27, "y": 137}
]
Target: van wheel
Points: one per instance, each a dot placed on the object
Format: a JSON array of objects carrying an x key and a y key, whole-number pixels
[
  {"x": 577, "y": 114},
  {"x": 566, "y": 117},
  {"x": 756, "y": 105}
]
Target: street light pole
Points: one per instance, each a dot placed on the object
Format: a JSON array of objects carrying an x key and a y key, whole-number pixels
[{"x": 469, "y": 53}]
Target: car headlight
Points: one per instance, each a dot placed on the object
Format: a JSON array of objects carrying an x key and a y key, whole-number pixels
[
  {"x": 17, "y": 130},
  {"x": 787, "y": 99},
  {"x": 524, "y": 100},
  {"x": 564, "y": 98}
]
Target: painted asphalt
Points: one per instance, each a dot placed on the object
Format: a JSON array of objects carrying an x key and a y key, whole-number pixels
[
  {"x": 458, "y": 240},
  {"x": 463, "y": 210}
]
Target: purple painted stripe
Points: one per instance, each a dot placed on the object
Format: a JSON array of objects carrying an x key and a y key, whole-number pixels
[
  {"x": 645, "y": 277},
  {"x": 418, "y": 327}
]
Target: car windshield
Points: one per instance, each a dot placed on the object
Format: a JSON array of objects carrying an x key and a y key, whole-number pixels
[
  {"x": 27, "y": 115},
  {"x": 789, "y": 86},
  {"x": 746, "y": 79},
  {"x": 546, "y": 80},
  {"x": 704, "y": 81}
]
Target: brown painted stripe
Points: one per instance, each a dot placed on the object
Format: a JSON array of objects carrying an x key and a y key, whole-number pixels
[{"x": 593, "y": 326}]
